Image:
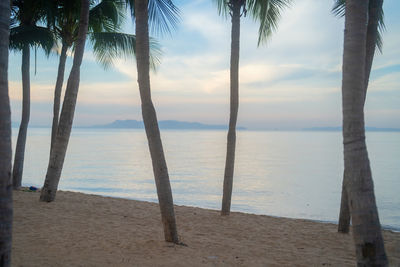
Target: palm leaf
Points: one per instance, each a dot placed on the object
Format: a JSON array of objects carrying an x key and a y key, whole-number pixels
[
  {"x": 107, "y": 16},
  {"x": 267, "y": 13},
  {"x": 339, "y": 9},
  {"x": 34, "y": 36},
  {"x": 109, "y": 46},
  {"x": 163, "y": 15},
  {"x": 381, "y": 29},
  {"x": 222, "y": 7}
]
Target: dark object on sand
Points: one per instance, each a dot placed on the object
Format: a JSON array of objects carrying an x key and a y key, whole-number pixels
[{"x": 32, "y": 188}]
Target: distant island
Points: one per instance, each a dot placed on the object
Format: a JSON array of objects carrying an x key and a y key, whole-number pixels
[
  {"x": 167, "y": 124},
  {"x": 339, "y": 129},
  {"x": 184, "y": 125}
]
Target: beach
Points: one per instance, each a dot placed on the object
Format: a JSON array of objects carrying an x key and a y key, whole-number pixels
[{"x": 90, "y": 230}]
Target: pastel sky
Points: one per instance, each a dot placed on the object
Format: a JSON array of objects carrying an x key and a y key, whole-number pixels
[{"x": 292, "y": 82}]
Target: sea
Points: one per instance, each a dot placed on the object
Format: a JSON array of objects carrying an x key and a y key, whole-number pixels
[{"x": 295, "y": 174}]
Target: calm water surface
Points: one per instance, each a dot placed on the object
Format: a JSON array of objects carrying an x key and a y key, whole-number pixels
[{"x": 289, "y": 174}]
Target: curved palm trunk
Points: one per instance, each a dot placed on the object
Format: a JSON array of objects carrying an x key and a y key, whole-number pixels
[
  {"x": 372, "y": 33},
  {"x": 358, "y": 178},
  {"x": 59, "y": 148},
  {"x": 151, "y": 125},
  {"x": 6, "y": 210},
  {"x": 57, "y": 92},
  {"x": 234, "y": 106},
  {"x": 23, "y": 128}
]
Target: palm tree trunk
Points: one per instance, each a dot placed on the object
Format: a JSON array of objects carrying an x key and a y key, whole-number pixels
[
  {"x": 372, "y": 34},
  {"x": 358, "y": 182},
  {"x": 151, "y": 125},
  {"x": 6, "y": 208},
  {"x": 57, "y": 92},
  {"x": 59, "y": 148},
  {"x": 23, "y": 128},
  {"x": 344, "y": 216},
  {"x": 234, "y": 106}
]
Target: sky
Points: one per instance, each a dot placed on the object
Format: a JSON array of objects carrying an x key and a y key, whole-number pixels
[{"x": 292, "y": 82}]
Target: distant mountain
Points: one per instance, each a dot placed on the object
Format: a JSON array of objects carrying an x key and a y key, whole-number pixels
[
  {"x": 122, "y": 124},
  {"x": 323, "y": 129},
  {"x": 337, "y": 129},
  {"x": 168, "y": 124},
  {"x": 376, "y": 129}
]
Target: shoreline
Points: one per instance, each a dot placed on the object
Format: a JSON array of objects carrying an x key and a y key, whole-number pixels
[
  {"x": 393, "y": 229},
  {"x": 92, "y": 230}
]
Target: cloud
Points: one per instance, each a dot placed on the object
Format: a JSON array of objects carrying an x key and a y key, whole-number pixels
[
  {"x": 294, "y": 79},
  {"x": 388, "y": 82},
  {"x": 126, "y": 67},
  {"x": 39, "y": 91},
  {"x": 208, "y": 24}
]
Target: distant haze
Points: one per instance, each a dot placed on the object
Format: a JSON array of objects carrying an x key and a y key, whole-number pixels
[
  {"x": 184, "y": 125},
  {"x": 170, "y": 124}
]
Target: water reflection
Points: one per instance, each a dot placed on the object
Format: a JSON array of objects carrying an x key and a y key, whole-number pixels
[{"x": 291, "y": 174}]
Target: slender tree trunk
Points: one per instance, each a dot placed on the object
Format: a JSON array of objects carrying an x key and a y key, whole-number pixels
[
  {"x": 151, "y": 125},
  {"x": 57, "y": 92},
  {"x": 375, "y": 6},
  {"x": 234, "y": 106},
  {"x": 23, "y": 128},
  {"x": 344, "y": 217},
  {"x": 358, "y": 182},
  {"x": 372, "y": 33},
  {"x": 59, "y": 148},
  {"x": 6, "y": 209}
]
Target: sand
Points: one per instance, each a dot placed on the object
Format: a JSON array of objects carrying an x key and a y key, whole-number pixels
[{"x": 87, "y": 230}]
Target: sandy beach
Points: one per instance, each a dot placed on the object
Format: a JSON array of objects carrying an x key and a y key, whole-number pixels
[{"x": 88, "y": 230}]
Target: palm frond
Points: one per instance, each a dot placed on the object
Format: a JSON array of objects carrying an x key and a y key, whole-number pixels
[
  {"x": 267, "y": 13},
  {"x": 339, "y": 9},
  {"x": 107, "y": 16},
  {"x": 381, "y": 29},
  {"x": 163, "y": 15},
  {"x": 34, "y": 36},
  {"x": 108, "y": 46},
  {"x": 379, "y": 42},
  {"x": 222, "y": 7}
]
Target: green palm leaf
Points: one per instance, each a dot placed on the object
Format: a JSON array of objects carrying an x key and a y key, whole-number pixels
[
  {"x": 108, "y": 15},
  {"x": 222, "y": 7},
  {"x": 265, "y": 12},
  {"x": 108, "y": 46},
  {"x": 34, "y": 36},
  {"x": 339, "y": 9},
  {"x": 163, "y": 15}
]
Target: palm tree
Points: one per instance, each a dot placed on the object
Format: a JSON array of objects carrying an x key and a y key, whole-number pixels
[
  {"x": 267, "y": 13},
  {"x": 374, "y": 39},
  {"x": 60, "y": 142},
  {"x": 6, "y": 210},
  {"x": 108, "y": 44},
  {"x": 25, "y": 33},
  {"x": 357, "y": 181},
  {"x": 141, "y": 12}
]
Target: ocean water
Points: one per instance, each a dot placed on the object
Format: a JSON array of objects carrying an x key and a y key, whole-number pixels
[{"x": 287, "y": 174}]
